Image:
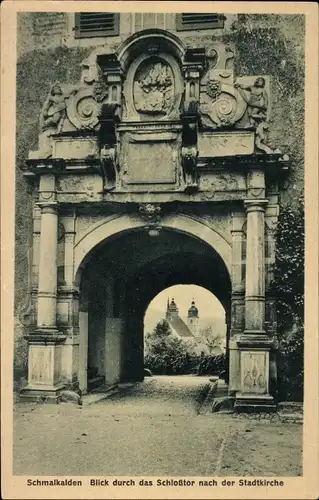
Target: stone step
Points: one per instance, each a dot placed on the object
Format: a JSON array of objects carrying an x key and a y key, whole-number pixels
[
  {"x": 95, "y": 382},
  {"x": 96, "y": 397},
  {"x": 295, "y": 418},
  {"x": 290, "y": 407}
]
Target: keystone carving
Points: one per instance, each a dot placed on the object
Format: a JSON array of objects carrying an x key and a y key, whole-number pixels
[{"x": 151, "y": 213}]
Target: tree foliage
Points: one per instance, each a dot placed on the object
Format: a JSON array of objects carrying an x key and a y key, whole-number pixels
[
  {"x": 288, "y": 288},
  {"x": 210, "y": 339},
  {"x": 166, "y": 354}
]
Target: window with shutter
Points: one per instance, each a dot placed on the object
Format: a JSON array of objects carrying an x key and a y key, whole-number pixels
[
  {"x": 92, "y": 24},
  {"x": 198, "y": 21}
]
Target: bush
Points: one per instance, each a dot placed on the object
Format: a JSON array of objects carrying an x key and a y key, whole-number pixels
[
  {"x": 291, "y": 365},
  {"x": 20, "y": 361},
  {"x": 211, "y": 365}
]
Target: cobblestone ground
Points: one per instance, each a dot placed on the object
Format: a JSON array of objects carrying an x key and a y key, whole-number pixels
[{"x": 159, "y": 427}]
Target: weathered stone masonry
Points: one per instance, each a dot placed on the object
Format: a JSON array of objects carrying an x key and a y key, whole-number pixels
[{"x": 153, "y": 170}]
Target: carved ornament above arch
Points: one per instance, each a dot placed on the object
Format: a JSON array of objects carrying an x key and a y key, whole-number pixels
[
  {"x": 150, "y": 41},
  {"x": 153, "y": 88}
]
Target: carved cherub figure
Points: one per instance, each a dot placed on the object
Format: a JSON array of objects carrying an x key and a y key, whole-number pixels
[
  {"x": 256, "y": 99},
  {"x": 54, "y": 109}
]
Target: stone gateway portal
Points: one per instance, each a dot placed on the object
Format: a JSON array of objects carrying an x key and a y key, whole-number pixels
[{"x": 153, "y": 170}]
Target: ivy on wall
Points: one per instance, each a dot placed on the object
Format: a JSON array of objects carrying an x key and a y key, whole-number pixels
[{"x": 268, "y": 44}]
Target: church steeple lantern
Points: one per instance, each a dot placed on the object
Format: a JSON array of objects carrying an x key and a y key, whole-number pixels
[{"x": 193, "y": 319}]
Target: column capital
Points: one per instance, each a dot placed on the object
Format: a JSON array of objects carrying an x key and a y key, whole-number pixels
[
  {"x": 48, "y": 207},
  {"x": 253, "y": 205},
  {"x": 237, "y": 231}
]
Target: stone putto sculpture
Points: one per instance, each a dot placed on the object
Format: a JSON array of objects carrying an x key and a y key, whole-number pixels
[
  {"x": 54, "y": 109},
  {"x": 256, "y": 98}
]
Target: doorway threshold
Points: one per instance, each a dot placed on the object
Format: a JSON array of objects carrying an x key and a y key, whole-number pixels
[{"x": 99, "y": 394}]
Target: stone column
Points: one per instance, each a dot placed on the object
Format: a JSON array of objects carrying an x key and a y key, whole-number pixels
[
  {"x": 255, "y": 267},
  {"x": 44, "y": 361},
  {"x": 237, "y": 301},
  {"x": 254, "y": 345},
  {"x": 47, "y": 289}
]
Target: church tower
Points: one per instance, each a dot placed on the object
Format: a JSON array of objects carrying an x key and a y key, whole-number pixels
[
  {"x": 193, "y": 319},
  {"x": 171, "y": 309}
]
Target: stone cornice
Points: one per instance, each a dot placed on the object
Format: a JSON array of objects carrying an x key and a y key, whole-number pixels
[{"x": 243, "y": 162}]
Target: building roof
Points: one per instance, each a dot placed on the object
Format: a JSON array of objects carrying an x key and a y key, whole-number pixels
[{"x": 180, "y": 327}]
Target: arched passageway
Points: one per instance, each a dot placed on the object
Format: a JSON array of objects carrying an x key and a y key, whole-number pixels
[{"x": 121, "y": 276}]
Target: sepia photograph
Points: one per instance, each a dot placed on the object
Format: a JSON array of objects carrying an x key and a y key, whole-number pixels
[{"x": 159, "y": 250}]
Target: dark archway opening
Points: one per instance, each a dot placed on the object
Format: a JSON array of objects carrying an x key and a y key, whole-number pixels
[{"x": 121, "y": 278}]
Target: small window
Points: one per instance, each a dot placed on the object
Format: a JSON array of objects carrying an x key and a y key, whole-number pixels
[
  {"x": 200, "y": 21},
  {"x": 143, "y": 21},
  {"x": 92, "y": 24}
]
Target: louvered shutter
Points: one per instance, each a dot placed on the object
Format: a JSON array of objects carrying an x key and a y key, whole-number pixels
[
  {"x": 198, "y": 21},
  {"x": 92, "y": 24}
]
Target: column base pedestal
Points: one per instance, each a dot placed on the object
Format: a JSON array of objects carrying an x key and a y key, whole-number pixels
[
  {"x": 253, "y": 403},
  {"x": 45, "y": 393}
]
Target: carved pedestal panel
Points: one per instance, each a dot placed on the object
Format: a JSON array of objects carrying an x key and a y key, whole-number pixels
[{"x": 254, "y": 393}]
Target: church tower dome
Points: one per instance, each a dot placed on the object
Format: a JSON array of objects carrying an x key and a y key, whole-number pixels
[
  {"x": 193, "y": 319},
  {"x": 172, "y": 309},
  {"x": 193, "y": 311}
]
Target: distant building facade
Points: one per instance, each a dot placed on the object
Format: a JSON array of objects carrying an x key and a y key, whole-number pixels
[
  {"x": 193, "y": 320},
  {"x": 187, "y": 330}
]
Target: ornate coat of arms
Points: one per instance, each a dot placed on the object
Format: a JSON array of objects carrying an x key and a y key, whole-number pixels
[{"x": 154, "y": 88}]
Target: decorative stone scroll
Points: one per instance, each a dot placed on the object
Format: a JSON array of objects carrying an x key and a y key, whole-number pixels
[
  {"x": 225, "y": 104},
  {"x": 84, "y": 107},
  {"x": 158, "y": 82},
  {"x": 222, "y": 105}
]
